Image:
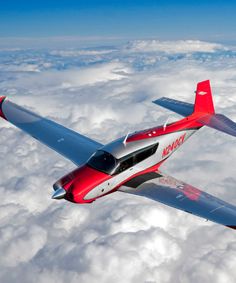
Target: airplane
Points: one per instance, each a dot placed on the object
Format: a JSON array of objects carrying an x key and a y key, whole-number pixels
[{"x": 130, "y": 164}]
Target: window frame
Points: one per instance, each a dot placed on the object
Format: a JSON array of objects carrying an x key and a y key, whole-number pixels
[
  {"x": 109, "y": 172},
  {"x": 133, "y": 156}
]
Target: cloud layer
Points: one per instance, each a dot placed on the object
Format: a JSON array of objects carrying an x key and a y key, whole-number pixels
[
  {"x": 179, "y": 46},
  {"x": 106, "y": 92}
]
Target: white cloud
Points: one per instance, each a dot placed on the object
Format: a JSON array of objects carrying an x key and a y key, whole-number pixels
[
  {"x": 120, "y": 238},
  {"x": 72, "y": 78},
  {"x": 172, "y": 47},
  {"x": 81, "y": 52},
  {"x": 20, "y": 244},
  {"x": 20, "y": 68}
]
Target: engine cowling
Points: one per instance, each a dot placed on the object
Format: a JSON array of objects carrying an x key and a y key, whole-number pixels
[{"x": 78, "y": 183}]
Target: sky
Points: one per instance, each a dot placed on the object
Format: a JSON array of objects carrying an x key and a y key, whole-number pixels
[
  {"x": 104, "y": 93},
  {"x": 207, "y": 20}
]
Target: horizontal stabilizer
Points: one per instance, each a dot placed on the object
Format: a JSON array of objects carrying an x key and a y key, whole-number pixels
[
  {"x": 203, "y": 102},
  {"x": 219, "y": 122},
  {"x": 180, "y": 107}
]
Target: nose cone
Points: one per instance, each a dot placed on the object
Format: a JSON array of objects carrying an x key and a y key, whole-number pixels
[{"x": 59, "y": 194}]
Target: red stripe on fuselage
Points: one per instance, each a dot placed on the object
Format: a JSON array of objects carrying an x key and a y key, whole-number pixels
[
  {"x": 81, "y": 181},
  {"x": 187, "y": 123},
  {"x": 2, "y": 98}
]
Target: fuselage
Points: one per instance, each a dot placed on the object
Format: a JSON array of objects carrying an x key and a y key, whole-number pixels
[{"x": 123, "y": 159}]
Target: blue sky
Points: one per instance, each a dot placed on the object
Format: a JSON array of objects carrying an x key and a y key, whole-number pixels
[{"x": 208, "y": 20}]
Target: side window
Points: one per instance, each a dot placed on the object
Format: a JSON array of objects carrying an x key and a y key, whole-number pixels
[
  {"x": 140, "y": 156},
  {"x": 125, "y": 164},
  {"x": 136, "y": 157}
]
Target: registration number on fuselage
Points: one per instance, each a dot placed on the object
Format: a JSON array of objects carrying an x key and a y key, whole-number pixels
[{"x": 171, "y": 147}]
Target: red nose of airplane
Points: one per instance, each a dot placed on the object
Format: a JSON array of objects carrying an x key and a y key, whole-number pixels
[{"x": 79, "y": 183}]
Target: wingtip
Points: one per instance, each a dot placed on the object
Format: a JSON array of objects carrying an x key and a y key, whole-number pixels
[{"x": 2, "y": 98}]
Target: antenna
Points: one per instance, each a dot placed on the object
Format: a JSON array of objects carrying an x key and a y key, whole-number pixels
[
  {"x": 164, "y": 126},
  {"x": 126, "y": 137}
]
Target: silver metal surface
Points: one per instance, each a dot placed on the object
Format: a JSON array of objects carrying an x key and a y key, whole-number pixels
[
  {"x": 59, "y": 194},
  {"x": 180, "y": 195},
  {"x": 118, "y": 149},
  {"x": 74, "y": 146}
]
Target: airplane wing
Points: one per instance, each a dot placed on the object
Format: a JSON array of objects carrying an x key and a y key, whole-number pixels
[
  {"x": 166, "y": 189},
  {"x": 74, "y": 146}
]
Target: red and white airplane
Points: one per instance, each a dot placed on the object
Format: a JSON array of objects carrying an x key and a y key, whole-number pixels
[{"x": 131, "y": 164}]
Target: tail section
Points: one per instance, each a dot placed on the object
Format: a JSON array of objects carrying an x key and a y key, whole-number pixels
[
  {"x": 203, "y": 107},
  {"x": 203, "y": 100},
  {"x": 219, "y": 122},
  {"x": 204, "y": 104}
]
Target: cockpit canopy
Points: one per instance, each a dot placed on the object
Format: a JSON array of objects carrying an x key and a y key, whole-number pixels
[
  {"x": 107, "y": 163},
  {"x": 103, "y": 161}
]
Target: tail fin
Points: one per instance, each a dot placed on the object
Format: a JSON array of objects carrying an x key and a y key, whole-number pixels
[
  {"x": 204, "y": 107},
  {"x": 204, "y": 104},
  {"x": 203, "y": 100}
]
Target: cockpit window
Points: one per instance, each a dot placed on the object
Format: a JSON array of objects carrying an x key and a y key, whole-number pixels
[
  {"x": 145, "y": 153},
  {"x": 124, "y": 164},
  {"x": 107, "y": 163},
  {"x": 103, "y": 161},
  {"x": 130, "y": 160}
]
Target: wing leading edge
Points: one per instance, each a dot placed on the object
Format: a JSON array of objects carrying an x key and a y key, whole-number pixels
[
  {"x": 180, "y": 195},
  {"x": 74, "y": 146}
]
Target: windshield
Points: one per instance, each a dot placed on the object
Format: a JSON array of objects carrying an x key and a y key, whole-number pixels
[{"x": 103, "y": 161}]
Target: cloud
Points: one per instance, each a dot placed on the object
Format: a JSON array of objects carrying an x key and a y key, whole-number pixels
[
  {"x": 21, "y": 245},
  {"x": 83, "y": 52},
  {"x": 21, "y": 68},
  {"x": 172, "y": 47},
  {"x": 119, "y": 238}
]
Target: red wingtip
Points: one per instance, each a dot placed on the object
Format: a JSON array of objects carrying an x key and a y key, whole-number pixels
[{"x": 2, "y": 98}]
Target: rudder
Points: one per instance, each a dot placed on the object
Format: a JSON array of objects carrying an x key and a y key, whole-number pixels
[{"x": 203, "y": 100}]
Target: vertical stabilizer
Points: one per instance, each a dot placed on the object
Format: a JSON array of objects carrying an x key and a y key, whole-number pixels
[{"x": 203, "y": 99}]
